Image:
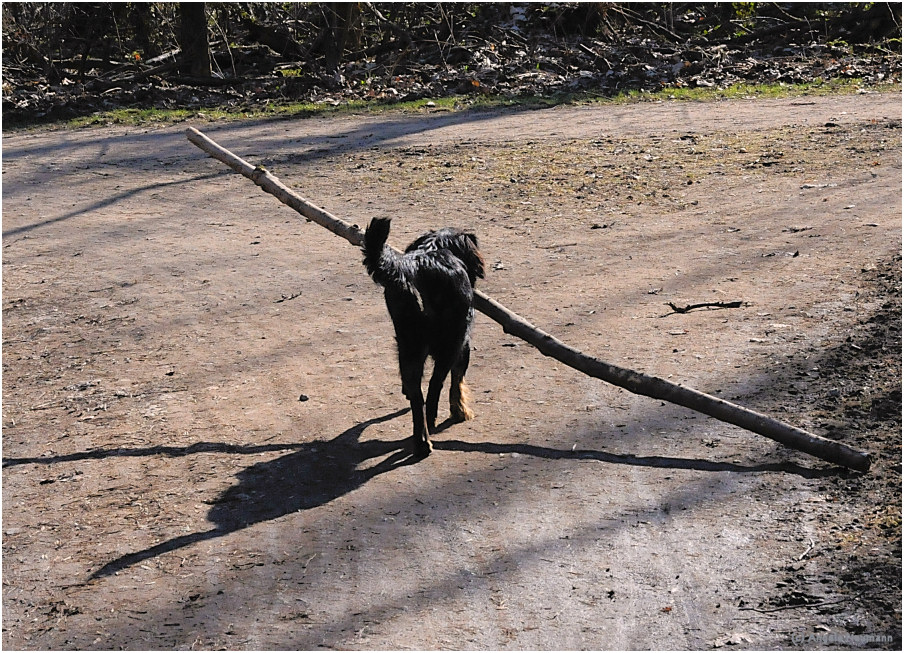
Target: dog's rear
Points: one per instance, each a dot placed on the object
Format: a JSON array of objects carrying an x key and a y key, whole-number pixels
[
  {"x": 429, "y": 292},
  {"x": 382, "y": 262}
]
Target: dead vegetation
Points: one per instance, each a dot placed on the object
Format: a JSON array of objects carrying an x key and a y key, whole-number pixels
[{"x": 63, "y": 60}]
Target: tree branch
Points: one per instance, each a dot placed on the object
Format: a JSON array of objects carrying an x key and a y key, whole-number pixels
[{"x": 515, "y": 325}]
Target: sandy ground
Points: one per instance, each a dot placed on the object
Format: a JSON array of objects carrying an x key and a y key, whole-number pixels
[{"x": 204, "y": 432}]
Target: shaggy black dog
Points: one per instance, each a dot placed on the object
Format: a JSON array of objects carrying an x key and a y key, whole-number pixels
[{"x": 429, "y": 293}]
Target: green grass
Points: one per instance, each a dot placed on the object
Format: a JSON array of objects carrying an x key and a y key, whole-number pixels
[
  {"x": 298, "y": 110},
  {"x": 748, "y": 91},
  {"x": 464, "y": 102}
]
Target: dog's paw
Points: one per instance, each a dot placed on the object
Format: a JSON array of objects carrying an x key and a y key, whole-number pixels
[
  {"x": 422, "y": 448},
  {"x": 461, "y": 413},
  {"x": 459, "y": 403}
]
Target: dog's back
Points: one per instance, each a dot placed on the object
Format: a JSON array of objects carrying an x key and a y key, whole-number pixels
[
  {"x": 461, "y": 244},
  {"x": 437, "y": 271}
]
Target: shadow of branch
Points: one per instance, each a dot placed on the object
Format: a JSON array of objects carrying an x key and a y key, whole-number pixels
[
  {"x": 629, "y": 459},
  {"x": 159, "y": 450}
]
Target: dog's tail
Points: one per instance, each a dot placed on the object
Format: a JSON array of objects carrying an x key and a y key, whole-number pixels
[{"x": 382, "y": 263}]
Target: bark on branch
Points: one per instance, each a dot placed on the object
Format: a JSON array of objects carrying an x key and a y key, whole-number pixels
[{"x": 514, "y": 324}]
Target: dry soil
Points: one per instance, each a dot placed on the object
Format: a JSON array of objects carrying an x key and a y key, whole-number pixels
[{"x": 204, "y": 432}]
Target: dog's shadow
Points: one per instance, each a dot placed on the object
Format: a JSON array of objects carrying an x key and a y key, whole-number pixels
[{"x": 313, "y": 475}]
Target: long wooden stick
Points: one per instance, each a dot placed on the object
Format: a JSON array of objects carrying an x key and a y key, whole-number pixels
[{"x": 514, "y": 324}]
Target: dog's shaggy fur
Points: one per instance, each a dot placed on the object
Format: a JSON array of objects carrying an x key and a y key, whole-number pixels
[{"x": 429, "y": 293}]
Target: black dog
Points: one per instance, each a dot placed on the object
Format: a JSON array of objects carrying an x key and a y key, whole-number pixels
[{"x": 429, "y": 293}]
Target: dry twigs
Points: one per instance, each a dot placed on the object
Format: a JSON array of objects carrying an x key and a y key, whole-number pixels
[{"x": 690, "y": 307}]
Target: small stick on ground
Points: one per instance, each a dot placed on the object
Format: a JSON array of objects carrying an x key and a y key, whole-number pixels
[
  {"x": 690, "y": 307},
  {"x": 807, "y": 552},
  {"x": 287, "y": 298}
]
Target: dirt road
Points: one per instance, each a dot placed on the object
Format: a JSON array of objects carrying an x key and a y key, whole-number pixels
[{"x": 203, "y": 430}]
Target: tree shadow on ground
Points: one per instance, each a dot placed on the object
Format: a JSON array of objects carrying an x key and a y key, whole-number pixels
[
  {"x": 107, "y": 201},
  {"x": 323, "y": 470}
]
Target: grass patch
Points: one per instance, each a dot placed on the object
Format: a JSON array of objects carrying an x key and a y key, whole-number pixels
[
  {"x": 304, "y": 110},
  {"x": 750, "y": 91},
  {"x": 135, "y": 117}
]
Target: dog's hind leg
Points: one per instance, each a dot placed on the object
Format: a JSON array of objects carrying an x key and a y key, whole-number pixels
[
  {"x": 440, "y": 372},
  {"x": 412, "y": 371},
  {"x": 459, "y": 395}
]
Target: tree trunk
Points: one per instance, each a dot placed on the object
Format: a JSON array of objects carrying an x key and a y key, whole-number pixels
[
  {"x": 143, "y": 22},
  {"x": 340, "y": 16},
  {"x": 514, "y": 324},
  {"x": 193, "y": 38}
]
